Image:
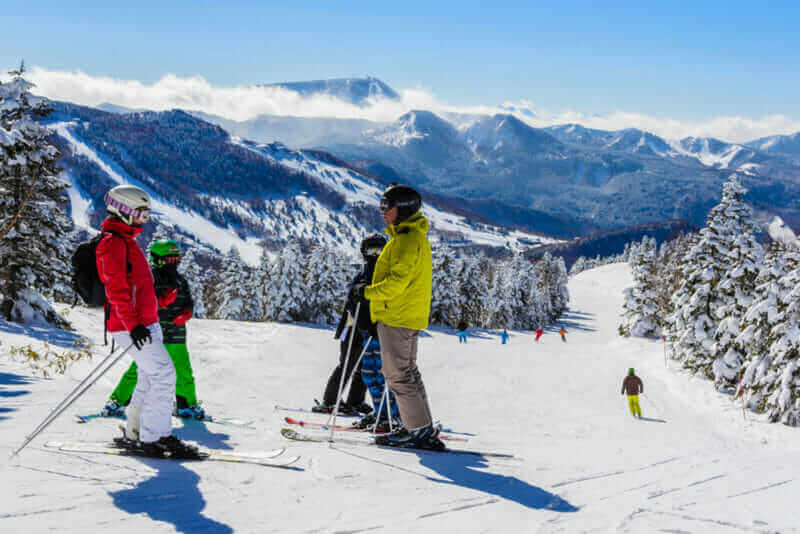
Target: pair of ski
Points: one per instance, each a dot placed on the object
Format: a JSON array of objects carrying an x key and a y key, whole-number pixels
[
  {"x": 271, "y": 458},
  {"x": 340, "y": 428},
  {"x": 206, "y": 419},
  {"x": 294, "y": 435}
]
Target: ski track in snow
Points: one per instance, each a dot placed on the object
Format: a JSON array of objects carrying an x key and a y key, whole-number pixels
[{"x": 692, "y": 464}]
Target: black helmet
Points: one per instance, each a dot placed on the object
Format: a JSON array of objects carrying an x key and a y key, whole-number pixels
[
  {"x": 372, "y": 245},
  {"x": 407, "y": 200}
]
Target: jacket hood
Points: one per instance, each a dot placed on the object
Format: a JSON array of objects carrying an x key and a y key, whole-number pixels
[{"x": 416, "y": 222}]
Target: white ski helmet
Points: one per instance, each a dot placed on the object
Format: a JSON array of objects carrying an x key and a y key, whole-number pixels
[{"x": 129, "y": 203}]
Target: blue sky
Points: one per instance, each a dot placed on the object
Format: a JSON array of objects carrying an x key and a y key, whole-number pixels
[{"x": 681, "y": 60}]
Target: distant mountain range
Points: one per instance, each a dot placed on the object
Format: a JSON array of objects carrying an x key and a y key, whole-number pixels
[
  {"x": 564, "y": 180},
  {"x": 217, "y": 191}
]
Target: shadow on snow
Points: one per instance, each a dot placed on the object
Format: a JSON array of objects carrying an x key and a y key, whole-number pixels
[
  {"x": 200, "y": 432},
  {"x": 171, "y": 496},
  {"x": 10, "y": 380},
  {"x": 49, "y": 334},
  {"x": 465, "y": 471}
]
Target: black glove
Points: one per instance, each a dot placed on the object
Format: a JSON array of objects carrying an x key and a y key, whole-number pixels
[
  {"x": 356, "y": 293},
  {"x": 139, "y": 334}
]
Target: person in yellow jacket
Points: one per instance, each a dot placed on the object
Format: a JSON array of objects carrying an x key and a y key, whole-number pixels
[{"x": 400, "y": 303}]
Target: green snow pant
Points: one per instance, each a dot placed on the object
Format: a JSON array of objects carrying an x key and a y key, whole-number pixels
[{"x": 185, "y": 394}]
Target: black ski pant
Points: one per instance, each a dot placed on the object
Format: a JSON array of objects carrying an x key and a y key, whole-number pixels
[{"x": 357, "y": 387}]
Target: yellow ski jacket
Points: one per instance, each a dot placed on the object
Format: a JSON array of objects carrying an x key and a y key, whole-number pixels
[{"x": 400, "y": 294}]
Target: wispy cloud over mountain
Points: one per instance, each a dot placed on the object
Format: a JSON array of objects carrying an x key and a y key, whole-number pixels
[{"x": 246, "y": 102}]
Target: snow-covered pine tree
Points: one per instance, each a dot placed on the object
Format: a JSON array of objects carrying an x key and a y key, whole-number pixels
[
  {"x": 287, "y": 290},
  {"x": 522, "y": 293},
  {"x": 578, "y": 267},
  {"x": 737, "y": 287},
  {"x": 782, "y": 388},
  {"x": 445, "y": 301},
  {"x": 473, "y": 290},
  {"x": 262, "y": 284},
  {"x": 327, "y": 284},
  {"x": 693, "y": 324},
  {"x": 196, "y": 278},
  {"x": 33, "y": 224},
  {"x": 758, "y": 327},
  {"x": 670, "y": 275},
  {"x": 559, "y": 293},
  {"x": 640, "y": 309},
  {"x": 232, "y": 288},
  {"x": 498, "y": 303}
]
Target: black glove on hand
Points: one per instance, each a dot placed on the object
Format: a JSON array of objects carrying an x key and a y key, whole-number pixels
[
  {"x": 357, "y": 293},
  {"x": 139, "y": 335}
]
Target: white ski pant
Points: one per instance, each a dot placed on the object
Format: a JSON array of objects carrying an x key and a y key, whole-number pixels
[{"x": 150, "y": 409}]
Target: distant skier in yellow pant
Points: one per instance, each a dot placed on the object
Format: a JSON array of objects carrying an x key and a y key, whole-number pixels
[{"x": 632, "y": 385}]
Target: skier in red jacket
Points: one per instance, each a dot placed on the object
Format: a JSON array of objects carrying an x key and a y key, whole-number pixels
[{"x": 133, "y": 319}]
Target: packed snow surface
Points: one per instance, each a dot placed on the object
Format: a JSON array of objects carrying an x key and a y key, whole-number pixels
[{"x": 692, "y": 464}]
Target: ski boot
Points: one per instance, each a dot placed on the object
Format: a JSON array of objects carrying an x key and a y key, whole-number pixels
[
  {"x": 192, "y": 412},
  {"x": 320, "y": 407},
  {"x": 426, "y": 437},
  {"x": 113, "y": 409},
  {"x": 170, "y": 447}
]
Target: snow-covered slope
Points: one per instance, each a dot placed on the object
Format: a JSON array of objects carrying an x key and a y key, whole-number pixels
[{"x": 693, "y": 464}]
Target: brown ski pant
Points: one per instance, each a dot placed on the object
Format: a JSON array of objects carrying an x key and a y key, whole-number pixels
[{"x": 399, "y": 355}]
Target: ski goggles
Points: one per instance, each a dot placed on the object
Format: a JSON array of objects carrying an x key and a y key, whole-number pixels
[
  {"x": 386, "y": 205},
  {"x": 373, "y": 251},
  {"x": 171, "y": 259},
  {"x": 140, "y": 216}
]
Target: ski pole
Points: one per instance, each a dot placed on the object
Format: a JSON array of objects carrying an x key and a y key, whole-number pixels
[
  {"x": 77, "y": 388},
  {"x": 67, "y": 402},
  {"x": 344, "y": 369},
  {"x": 352, "y": 373}
]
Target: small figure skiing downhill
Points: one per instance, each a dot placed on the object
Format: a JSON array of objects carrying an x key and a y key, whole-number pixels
[
  {"x": 504, "y": 337},
  {"x": 632, "y": 386},
  {"x": 539, "y": 333},
  {"x": 175, "y": 308},
  {"x": 563, "y": 334}
]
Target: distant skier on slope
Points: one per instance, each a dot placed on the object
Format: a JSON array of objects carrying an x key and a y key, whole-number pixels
[
  {"x": 539, "y": 333},
  {"x": 370, "y": 248},
  {"x": 504, "y": 337},
  {"x": 175, "y": 308},
  {"x": 632, "y": 386},
  {"x": 563, "y": 334},
  {"x": 462, "y": 331},
  {"x": 133, "y": 320}
]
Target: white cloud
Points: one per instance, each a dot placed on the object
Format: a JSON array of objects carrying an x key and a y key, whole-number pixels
[{"x": 241, "y": 103}]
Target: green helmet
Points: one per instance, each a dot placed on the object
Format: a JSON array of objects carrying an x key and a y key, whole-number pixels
[
  {"x": 163, "y": 249},
  {"x": 630, "y": 371}
]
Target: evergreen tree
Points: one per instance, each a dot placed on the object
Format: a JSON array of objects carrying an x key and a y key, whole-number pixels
[
  {"x": 640, "y": 309},
  {"x": 499, "y": 303},
  {"x": 33, "y": 224},
  {"x": 738, "y": 284},
  {"x": 760, "y": 322},
  {"x": 196, "y": 278},
  {"x": 232, "y": 286},
  {"x": 327, "y": 282},
  {"x": 287, "y": 290},
  {"x": 445, "y": 298},
  {"x": 693, "y": 324},
  {"x": 473, "y": 290}
]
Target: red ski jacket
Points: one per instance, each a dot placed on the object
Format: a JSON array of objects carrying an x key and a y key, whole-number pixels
[{"x": 130, "y": 292}]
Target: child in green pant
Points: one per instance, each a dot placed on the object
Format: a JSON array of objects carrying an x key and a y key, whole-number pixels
[{"x": 175, "y": 307}]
